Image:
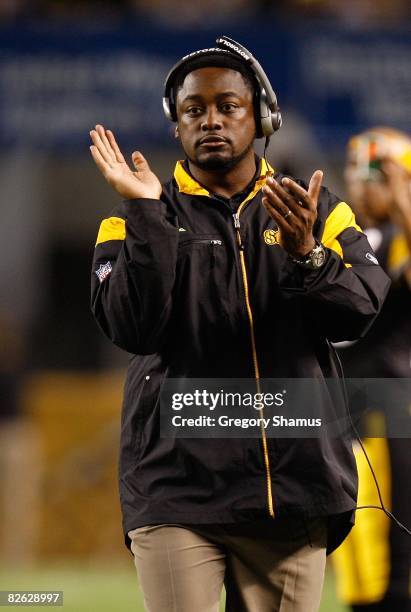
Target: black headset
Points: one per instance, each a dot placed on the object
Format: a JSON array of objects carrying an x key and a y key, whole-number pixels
[{"x": 267, "y": 111}]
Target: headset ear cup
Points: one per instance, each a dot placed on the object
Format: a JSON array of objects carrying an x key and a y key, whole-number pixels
[
  {"x": 264, "y": 120},
  {"x": 166, "y": 108},
  {"x": 257, "y": 114},
  {"x": 169, "y": 107},
  {"x": 271, "y": 124},
  {"x": 276, "y": 120},
  {"x": 267, "y": 126}
]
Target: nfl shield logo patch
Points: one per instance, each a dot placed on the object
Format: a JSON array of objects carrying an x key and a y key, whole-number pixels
[{"x": 103, "y": 271}]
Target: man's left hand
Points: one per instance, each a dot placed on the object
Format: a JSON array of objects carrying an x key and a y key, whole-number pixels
[{"x": 294, "y": 210}]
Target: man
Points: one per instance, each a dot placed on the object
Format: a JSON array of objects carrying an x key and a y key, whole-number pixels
[
  {"x": 373, "y": 565},
  {"x": 221, "y": 273}
]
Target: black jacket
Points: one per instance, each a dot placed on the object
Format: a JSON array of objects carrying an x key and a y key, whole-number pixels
[{"x": 176, "y": 284}]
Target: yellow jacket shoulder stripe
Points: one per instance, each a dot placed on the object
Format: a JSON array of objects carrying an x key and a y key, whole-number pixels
[
  {"x": 113, "y": 228},
  {"x": 340, "y": 218}
]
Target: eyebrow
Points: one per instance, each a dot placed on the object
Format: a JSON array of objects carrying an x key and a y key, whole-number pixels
[{"x": 199, "y": 98}]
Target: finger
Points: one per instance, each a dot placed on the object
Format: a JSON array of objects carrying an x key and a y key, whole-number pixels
[
  {"x": 278, "y": 217},
  {"x": 315, "y": 186},
  {"x": 140, "y": 162},
  {"x": 96, "y": 138},
  {"x": 289, "y": 199},
  {"x": 102, "y": 165},
  {"x": 281, "y": 206},
  {"x": 299, "y": 193},
  {"x": 102, "y": 133},
  {"x": 115, "y": 147}
]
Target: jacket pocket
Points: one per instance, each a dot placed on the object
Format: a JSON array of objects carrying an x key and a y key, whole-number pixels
[
  {"x": 203, "y": 275},
  {"x": 207, "y": 245}
]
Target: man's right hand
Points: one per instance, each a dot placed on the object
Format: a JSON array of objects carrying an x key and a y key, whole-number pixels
[{"x": 142, "y": 183}]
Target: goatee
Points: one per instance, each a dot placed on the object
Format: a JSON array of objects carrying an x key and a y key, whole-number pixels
[{"x": 219, "y": 163}]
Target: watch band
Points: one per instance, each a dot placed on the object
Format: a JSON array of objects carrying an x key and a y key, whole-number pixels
[{"x": 314, "y": 259}]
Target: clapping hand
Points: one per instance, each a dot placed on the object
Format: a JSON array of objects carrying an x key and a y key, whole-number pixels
[
  {"x": 294, "y": 209},
  {"x": 142, "y": 183}
]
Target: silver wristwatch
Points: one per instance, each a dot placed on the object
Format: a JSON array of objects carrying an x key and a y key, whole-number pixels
[{"x": 314, "y": 259}]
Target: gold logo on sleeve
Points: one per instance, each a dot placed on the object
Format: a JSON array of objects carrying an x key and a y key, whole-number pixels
[{"x": 271, "y": 236}]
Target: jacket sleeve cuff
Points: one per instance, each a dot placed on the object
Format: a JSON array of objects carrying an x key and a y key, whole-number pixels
[
  {"x": 143, "y": 207},
  {"x": 147, "y": 217},
  {"x": 151, "y": 240},
  {"x": 298, "y": 279}
]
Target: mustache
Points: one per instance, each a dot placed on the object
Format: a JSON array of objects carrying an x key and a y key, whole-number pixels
[{"x": 213, "y": 137}]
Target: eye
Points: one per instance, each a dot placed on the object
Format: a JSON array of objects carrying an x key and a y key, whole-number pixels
[
  {"x": 228, "y": 107},
  {"x": 193, "y": 111}
]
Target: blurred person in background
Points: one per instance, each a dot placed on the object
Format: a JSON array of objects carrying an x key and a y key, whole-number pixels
[
  {"x": 221, "y": 273},
  {"x": 373, "y": 564}
]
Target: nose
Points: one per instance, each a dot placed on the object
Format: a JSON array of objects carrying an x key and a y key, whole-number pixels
[{"x": 212, "y": 120}]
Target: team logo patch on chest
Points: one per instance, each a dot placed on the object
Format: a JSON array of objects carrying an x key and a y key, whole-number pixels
[{"x": 271, "y": 236}]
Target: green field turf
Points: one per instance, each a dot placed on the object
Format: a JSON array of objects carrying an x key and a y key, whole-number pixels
[{"x": 89, "y": 588}]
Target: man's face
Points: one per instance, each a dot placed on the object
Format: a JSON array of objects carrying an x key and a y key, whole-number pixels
[
  {"x": 215, "y": 114},
  {"x": 370, "y": 199}
]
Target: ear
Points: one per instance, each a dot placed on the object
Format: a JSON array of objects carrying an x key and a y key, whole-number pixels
[{"x": 176, "y": 133}]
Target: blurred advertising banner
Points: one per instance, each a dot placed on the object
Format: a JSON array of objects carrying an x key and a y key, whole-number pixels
[{"x": 57, "y": 81}]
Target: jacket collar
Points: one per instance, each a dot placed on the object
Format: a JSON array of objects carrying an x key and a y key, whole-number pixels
[{"x": 188, "y": 185}]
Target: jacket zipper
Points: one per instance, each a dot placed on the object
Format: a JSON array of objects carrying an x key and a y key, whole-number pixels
[{"x": 237, "y": 227}]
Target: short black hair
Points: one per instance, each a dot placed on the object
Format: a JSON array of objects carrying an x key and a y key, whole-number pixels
[{"x": 214, "y": 61}]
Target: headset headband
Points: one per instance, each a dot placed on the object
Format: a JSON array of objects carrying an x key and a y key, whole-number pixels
[
  {"x": 268, "y": 115},
  {"x": 169, "y": 94},
  {"x": 234, "y": 47}
]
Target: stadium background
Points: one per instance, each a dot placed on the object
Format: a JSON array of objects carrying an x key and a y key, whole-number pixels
[{"x": 337, "y": 67}]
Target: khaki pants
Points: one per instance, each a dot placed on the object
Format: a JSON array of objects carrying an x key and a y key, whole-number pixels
[{"x": 266, "y": 566}]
